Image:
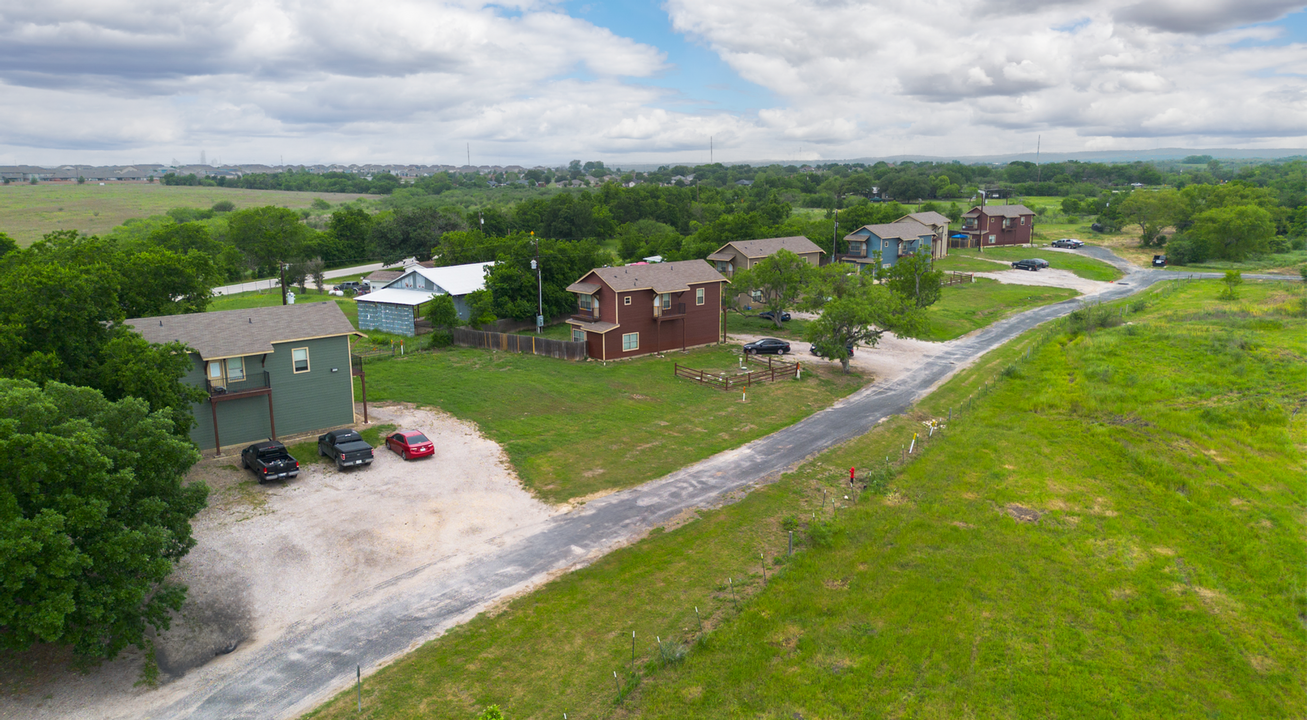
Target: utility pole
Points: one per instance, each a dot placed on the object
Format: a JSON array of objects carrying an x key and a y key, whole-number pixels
[
  {"x": 540, "y": 287},
  {"x": 282, "y": 265}
]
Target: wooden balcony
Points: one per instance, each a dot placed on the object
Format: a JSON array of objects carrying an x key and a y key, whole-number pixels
[
  {"x": 586, "y": 315},
  {"x": 675, "y": 311},
  {"x": 253, "y": 385}
]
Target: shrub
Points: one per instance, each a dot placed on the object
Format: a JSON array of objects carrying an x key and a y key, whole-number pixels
[
  {"x": 878, "y": 479},
  {"x": 671, "y": 652},
  {"x": 821, "y": 533},
  {"x": 1298, "y": 244},
  {"x": 1183, "y": 251},
  {"x": 789, "y": 523},
  {"x": 1278, "y": 244},
  {"x": 1138, "y": 306},
  {"x": 1090, "y": 318},
  {"x": 223, "y": 206},
  {"x": 1233, "y": 279},
  {"x": 440, "y": 339}
]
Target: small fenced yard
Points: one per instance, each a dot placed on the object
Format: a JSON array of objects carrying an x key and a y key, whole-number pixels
[{"x": 741, "y": 377}]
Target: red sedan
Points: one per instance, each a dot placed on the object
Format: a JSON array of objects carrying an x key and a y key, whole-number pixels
[{"x": 411, "y": 444}]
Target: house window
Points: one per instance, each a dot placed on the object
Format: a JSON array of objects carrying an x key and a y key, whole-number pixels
[
  {"x": 756, "y": 295},
  {"x": 991, "y": 238},
  {"x": 215, "y": 371},
  {"x": 1023, "y": 219},
  {"x": 855, "y": 248},
  {"x": 698, "y": 296},
  {"x": 585, "y": 302},
  {"x": 630, "y": 341},
  {"x": 885, "y": 245},
  {"x": 235, "y": 369},
  {"x": 578, "y": 335},
  {"x": 667, "y": 300},
  {"x": 626, "y": 300},
  {"x": 300, "y": 359}
]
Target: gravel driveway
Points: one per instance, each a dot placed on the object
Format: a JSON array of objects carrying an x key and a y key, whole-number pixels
[{"x": 271, "y": 556}]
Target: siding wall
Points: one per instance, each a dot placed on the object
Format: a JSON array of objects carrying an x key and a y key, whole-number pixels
[
  {"x": 700, "y": 326},
  {"x": 301, "y": 403},
  {"x": 397, "y": 319}
]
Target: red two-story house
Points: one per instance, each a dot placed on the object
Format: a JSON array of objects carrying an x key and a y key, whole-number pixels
[
  {"x": 988, "y": 225},
  {"x": 639, "y": 309}
]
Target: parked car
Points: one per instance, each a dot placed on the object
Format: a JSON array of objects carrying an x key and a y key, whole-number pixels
[
  {"x": 410, "y": 444},
  {"x": 1030, "y": 264},
  {"x": 1069, "y": 243},
  {"x": 346, "y": 447},
  {"x": 358, "y": 287},
  {"x": 767, "y": 345},
  {"x": 1159, "y": 261},
  {"x": 269, "y": 460},
  {"x": 848, "y": 347},
  {"x": 769, "y": 315}
]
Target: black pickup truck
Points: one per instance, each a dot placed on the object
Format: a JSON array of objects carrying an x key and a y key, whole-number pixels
[
  {"x": 346, "y": 447},
  {"x": 269, "y": 461}
]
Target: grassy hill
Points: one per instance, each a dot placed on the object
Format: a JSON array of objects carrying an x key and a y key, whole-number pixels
[
  {"x": 29, "y": 211},
  {"x": 1111, "y": 525}
]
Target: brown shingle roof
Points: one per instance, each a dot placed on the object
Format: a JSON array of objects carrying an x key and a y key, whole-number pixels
[
  {"x": 1010, "y": 211},
  {"x": 901, "y": 229},
  {"x": 659, "y": 277},
  {"x": 232, "y": 333},
  {"x": 381, "y": 277},
  {"x": 927, "y": 218},
  {"x": 796, "y": 244}
]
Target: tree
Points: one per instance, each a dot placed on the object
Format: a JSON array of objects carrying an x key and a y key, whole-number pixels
[
  {"x": 410, "y": 233},
  {"x": 481, "y": 308},
  {"x": 861, "y": 319},
  {"x": 269, "y": 236},
  {"x": 780, "y": 279},
  {"x": 443, "y": 316},
  {"x": 912, "y": 277},
  {"x": 1151, "y": 211},
  {"x": 1234, "y": 233},
  {"x": 318, "y": 271},
  {"x": 93, "y": 517},
  {"x": 7, "y": 244},
  {"x": 1233, "y": 279}
]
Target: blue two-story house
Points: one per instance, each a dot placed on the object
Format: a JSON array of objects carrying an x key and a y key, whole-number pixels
[{"x": 891, "y": 240}]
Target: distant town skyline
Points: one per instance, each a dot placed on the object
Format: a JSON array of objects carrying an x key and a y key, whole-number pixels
[{"x": 533, "y": 82}]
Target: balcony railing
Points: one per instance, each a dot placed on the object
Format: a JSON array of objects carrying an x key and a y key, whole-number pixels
[
  {"x": 586, "y": 314},
  {"x": 664, "y": 313},
  {"x": 254, "y": 384}
]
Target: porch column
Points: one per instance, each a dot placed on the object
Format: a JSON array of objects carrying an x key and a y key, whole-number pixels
[{"x": 217, "y": 446}]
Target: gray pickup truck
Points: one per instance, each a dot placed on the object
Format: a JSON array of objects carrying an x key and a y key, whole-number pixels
[{"x": 346, "y": 447}]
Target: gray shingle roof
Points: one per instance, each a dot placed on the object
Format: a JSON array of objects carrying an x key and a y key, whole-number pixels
[
  {"x": 901, "y": 229},
  {"x": 927, "y": 218},
  {"x": 659, "y": 277},
  {"x": 1010, "y": 211},
  {"x": 232, "y": 333},
  {"x": 796, "y": 244}
]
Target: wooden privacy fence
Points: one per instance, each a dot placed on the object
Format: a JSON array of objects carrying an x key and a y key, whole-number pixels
[
  {"x": 776, "y": 370},
  {"x": 527, "y": 344},
  {"x": 957, "y": 278}
]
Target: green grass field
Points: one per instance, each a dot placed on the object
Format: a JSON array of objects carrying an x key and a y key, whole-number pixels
[
  {"x": 1113, "y": 529},
  {"x": 573, "y": 429},
  {"x": 1086, "y": 267},
  {"x": 754, "y": 325},
  {"x": 29, "y": 211},
  {"x": 970, "y": 306}
]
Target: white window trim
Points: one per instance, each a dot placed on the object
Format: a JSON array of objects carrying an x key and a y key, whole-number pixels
[
  {"x": 699, "y": 296},
  {"x": 626, "y": 300},
  {"x": 308, "y": 365},
  {"x": 636, "y": 335},
  {"x": 227, "y": 366},
  {"x": 577, "y": 331}
]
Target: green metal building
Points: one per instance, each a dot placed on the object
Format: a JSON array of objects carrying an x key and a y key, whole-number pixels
[{"x": 267, "y": 371}]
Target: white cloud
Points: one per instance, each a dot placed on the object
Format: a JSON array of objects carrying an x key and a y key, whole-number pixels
[{"x": 411, "y": 80}]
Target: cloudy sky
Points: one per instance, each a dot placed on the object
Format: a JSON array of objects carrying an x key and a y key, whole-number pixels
[{"x": 533, "y": 81}]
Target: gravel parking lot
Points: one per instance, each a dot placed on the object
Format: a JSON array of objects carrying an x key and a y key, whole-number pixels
[{"x": 270, "y": 556}]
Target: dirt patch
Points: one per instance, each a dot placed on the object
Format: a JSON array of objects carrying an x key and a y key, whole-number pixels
[
  {"x": 270, "y": 556},
  {"x": 840, "y": 584},
  {"x": 1048, "y": 277},
  {"x": 1023, "y": 514},
  {"x": 964, "y": 526}
]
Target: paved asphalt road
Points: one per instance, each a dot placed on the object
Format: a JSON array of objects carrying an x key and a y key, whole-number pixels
[
  {"x": 270, "y": 284},
  {"x": 306, "y": 666}
]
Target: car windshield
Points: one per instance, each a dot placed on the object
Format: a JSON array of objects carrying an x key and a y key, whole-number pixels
[{"x": 417, "y": 438}]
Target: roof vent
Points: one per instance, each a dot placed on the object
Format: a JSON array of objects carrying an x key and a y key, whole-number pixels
[
  {"x": 251, "y": 321},
  {"x": 160, "y": 323}
]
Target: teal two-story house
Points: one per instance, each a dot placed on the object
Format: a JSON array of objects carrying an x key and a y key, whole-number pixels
[
  {"x": 887, "y": 242},
  {"x": 266, "y": 371}
]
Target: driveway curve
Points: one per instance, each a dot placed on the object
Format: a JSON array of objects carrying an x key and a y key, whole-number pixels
[{"x": 309, "y": 663}]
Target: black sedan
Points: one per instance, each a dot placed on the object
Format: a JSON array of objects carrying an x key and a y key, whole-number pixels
[
  {"x": 848, "y": 347},
  {"x": 1031, "y": 264},
  {"x": 769, "y": 315},
  {"x": 767, "y": 345}
]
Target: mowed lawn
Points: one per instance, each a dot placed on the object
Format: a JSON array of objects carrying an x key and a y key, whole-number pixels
[
  {"x": 1086, "y": 267},
  {"x": 572, "y": 429},
  {"x": 28, "y": 212},
  {"x": 1113, "y": 530},
  {"x": 970, "y": 306}
]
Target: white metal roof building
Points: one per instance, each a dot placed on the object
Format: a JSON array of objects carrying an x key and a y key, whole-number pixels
[{"x": 395, "y": 307}]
